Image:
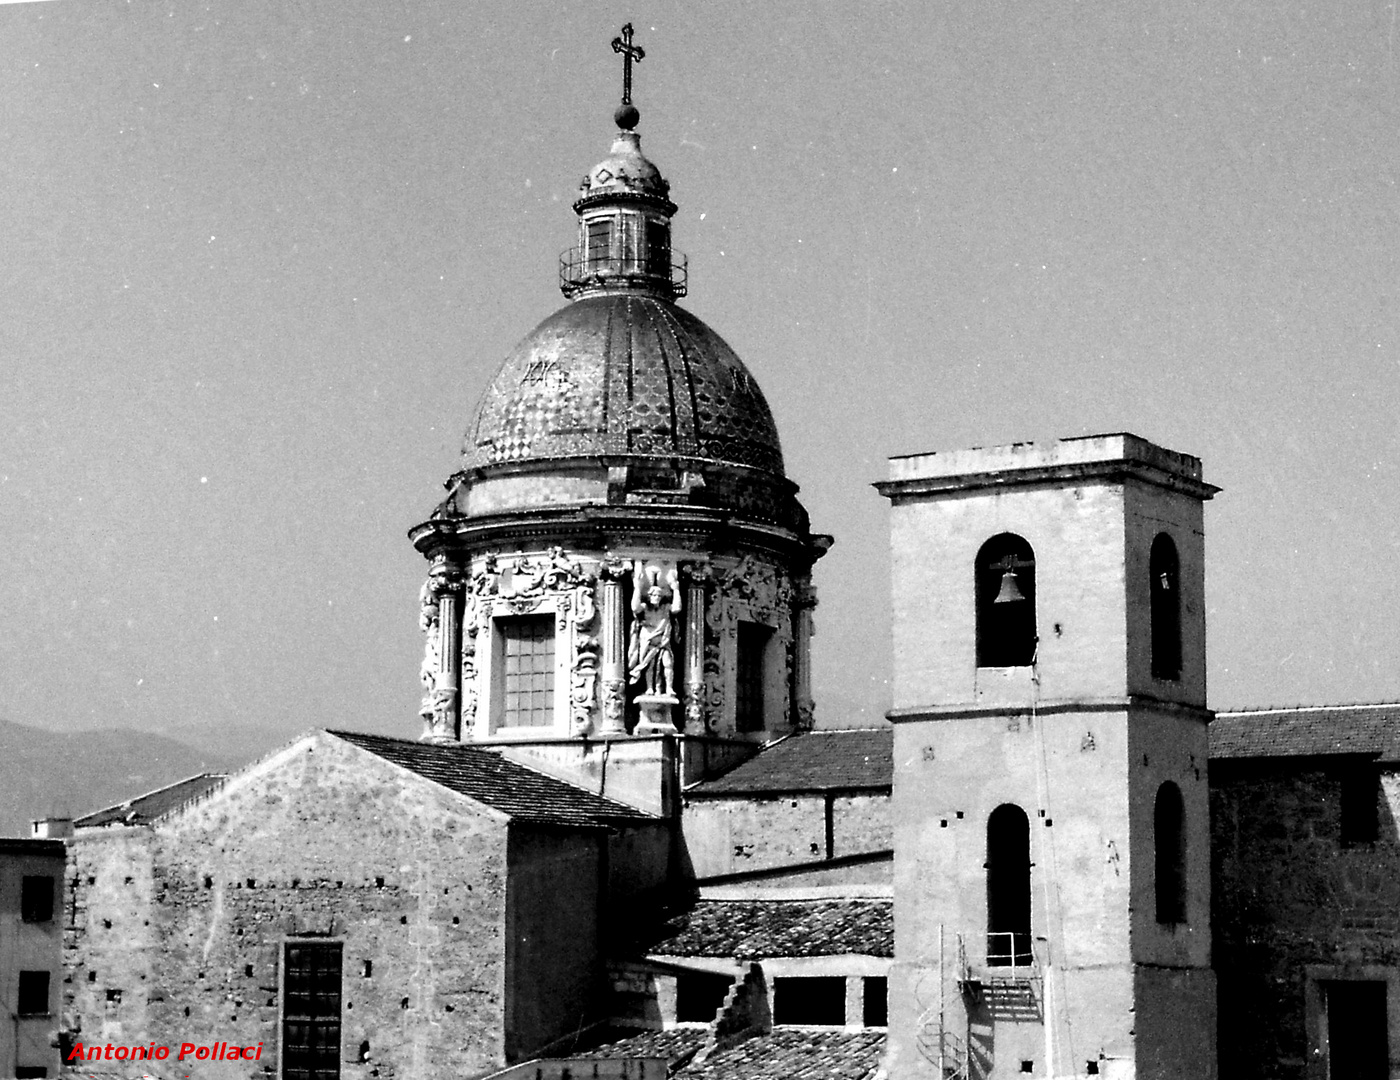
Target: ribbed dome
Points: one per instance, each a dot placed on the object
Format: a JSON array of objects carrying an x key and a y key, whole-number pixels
[{"x": 623, "y": 374}]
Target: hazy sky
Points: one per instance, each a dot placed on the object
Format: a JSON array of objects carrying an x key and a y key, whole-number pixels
[{"x": 259, "y": 257}]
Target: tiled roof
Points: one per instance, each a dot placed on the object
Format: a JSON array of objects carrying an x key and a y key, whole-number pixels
[
  {"x": 769, "y": 928},
  {"x": 781, "y": 1054},
  {"x": 513, "y": 789},
  {"x": 816, "y": 761},
  {"x": 1343, "y": 729},
  {"x": 676, "y": 1046},
  {"x": 144, "y": 809}
]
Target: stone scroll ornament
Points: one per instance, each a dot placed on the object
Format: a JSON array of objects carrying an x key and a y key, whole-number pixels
[
  {"x": 583, "y": 676},
  {"x": 439, "y": 693}
]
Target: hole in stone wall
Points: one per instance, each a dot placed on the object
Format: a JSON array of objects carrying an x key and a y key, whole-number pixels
[
  {"x": 248, "y": 970},
  {"x": 92, "y": 976},
  {"x": 252, "y": 883},
  {"x": 208, "y": 882},
  {"x": 451, "y": 1008},
  {"x": 364, "y": 1050},
  {"x": 92, "y": 880},
  {"x": 128, "y": 881},
  {"x": 403, "y": 1003},
  {"x": 114, "y": 996},
  {"x": 1027, "y": 1066},
  {"x": 187, "y": 1010},
  {"x": 403, "y": 920},
  {"x": 379, "y": 883},
  {"x": 1091, "y": 1068},
  {"x": 368, "y": 969},
  {"x": 106, "y": 924},
  {"x": 455, "y": 920}
]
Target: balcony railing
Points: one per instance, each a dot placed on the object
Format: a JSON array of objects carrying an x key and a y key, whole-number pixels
[
  {"x": 1009, "y": 950},
  {"x": 578, "y": 275}
]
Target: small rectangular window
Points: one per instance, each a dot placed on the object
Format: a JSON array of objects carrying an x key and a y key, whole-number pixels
[
  {"x": 599, "y": 244},
  {"x": 311, "y": 1011},
  {"x": 23, "y": 1072},
  {"x": 699, "y": 995},
  {"x": 810, "y": 1000},
  {"x": 1361, "y": 796},
  {"x": 33, "y": 997},
  {"x": 877, "y": 1008},
  {"x": 659, "y": 248},
  {"x": 527, "y": 670},
  {"x": 752, "y": 648},
  {"x": 36, "y": 898}
]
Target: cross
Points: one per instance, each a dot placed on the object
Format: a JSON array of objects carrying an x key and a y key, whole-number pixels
[{"x": 629, "y": 53}]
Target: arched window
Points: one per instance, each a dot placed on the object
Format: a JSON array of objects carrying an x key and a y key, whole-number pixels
[
  {"x": 1005, "y": 572},
  {"x": 1165, "y": 572},
  {"x": 1169, "y": 840},
  {"x": 1008, "y": 887}
]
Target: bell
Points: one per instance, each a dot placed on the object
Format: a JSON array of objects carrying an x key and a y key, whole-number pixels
[
  {"x": 1165, "y": 581},
  {"x": 1010, "y": 590}
]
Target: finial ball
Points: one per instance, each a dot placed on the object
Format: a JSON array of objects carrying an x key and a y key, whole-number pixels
[{"x": 626, "y": 116}]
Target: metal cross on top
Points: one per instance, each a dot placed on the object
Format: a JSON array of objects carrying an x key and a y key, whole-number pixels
[{"x": 629, "y": 53}]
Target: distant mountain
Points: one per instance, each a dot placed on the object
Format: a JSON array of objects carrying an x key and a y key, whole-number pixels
[{"x": 49, "y": 773}]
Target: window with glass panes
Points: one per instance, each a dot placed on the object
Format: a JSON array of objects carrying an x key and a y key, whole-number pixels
[
  {"x": 599, "y": 243},
  {"x": 748, "y": 683},
  {"x": 311, "y": 1011},
  {"x": 527, "y": 670}
]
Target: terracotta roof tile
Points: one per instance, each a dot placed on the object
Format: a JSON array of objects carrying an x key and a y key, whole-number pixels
[
  {"x": 782, "y": 1054},
  {"x": 796, "y": 1054},
  {"x": 815, "y": 761},
  {"x": 1302, "y": 732},
  {"x": 144, "y": 809},
  {"x": 767, "y": 928},
  {"x": 513, "y": 789}
]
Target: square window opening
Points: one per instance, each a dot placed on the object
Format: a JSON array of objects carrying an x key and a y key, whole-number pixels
[
  {"x": 36, "y": 898},
  {"x": 814, "y": 1000}
]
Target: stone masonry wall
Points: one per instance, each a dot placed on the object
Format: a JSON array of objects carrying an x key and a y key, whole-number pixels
[
  {"x": 735, "y": 835},
  {"x": 178, "y": 931},
  {"x": 1286, "y": 894}
]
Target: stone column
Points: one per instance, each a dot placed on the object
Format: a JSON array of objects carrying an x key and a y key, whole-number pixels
[
  {"x": 614, "y": 648},
  {"x": 446, "y": 722},
  {"x": 695, "y": 720},
  {"x": 804, "y": 600}
]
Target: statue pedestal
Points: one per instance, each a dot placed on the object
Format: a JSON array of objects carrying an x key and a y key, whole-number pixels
[{"x": 658, "y": 717}]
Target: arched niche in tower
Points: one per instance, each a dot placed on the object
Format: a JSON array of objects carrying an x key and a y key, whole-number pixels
[
  {"x": 1008, "y": 887},
  {"x": 1169, "y": 844},
  {"x": 1005, "y": 599},
  {"x": 1164, "y": 571}
]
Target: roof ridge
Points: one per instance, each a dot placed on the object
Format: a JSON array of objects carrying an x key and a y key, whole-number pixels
[
  {"x": 126, "y": 803},
  {"x": 1274, "y": 709}
]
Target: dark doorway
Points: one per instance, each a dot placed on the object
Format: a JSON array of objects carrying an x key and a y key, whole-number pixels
[
  {"x": 1008, "y": 887},
  {"x": 1357, "y": 1044}
]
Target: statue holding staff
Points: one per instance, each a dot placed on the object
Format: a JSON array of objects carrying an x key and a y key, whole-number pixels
[{"x": 651, "y": 654}]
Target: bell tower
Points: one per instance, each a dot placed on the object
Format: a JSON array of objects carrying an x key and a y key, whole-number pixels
[{"x": 1052, "y": 866}]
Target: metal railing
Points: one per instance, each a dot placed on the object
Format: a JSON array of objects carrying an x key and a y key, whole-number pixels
[
  {"x": 577, "y": 274},
  {"x": 1010, "y": 952}
]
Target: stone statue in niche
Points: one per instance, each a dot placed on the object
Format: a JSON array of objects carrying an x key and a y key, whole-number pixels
[{"x": 651, "y": 652}]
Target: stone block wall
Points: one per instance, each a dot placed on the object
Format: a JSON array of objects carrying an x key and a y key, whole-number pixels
[
  {"x": 1288, "y": 894},
  {"x": 735, "y": 835},
  {"x": 178, "y": 930}
]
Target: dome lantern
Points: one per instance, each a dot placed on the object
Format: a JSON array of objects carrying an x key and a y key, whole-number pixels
[{"x": 624, "y": 210}]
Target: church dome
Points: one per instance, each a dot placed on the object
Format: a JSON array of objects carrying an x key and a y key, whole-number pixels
[{"x": 623, "y": 375}]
